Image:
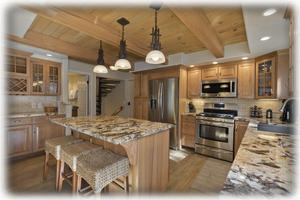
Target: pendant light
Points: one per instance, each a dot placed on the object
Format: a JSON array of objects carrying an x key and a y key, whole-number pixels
[
  {"x": 122, "y": 63},
  {"x": 100, "y": 68},
  {"x": 155, "y": 56}
]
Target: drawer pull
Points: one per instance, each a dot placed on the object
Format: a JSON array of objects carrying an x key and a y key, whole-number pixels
[
  {"x": 188, "y": 125},
  {"x": 17, "y": 121},
  {"x": 188, "y": 118},
  {"x": 188, "y": 138}
]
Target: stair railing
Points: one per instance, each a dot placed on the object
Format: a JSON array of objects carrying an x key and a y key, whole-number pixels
[{"x": 117, "y": 111}]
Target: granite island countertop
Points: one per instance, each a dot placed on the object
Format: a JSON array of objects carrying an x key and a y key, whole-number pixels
[
  {"x": 32, "y": 114},
  {"x": 265, "y": 165},
  {"x": 113, "y": 129}
]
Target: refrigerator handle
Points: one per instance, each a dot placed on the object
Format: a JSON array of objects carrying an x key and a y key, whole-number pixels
[
  {"x": 159, "y": 99},
  {"x": 162, "y": 101}
]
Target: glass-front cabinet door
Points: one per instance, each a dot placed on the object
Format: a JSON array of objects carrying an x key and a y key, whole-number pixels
[
  {"x": 38, "y": 78},
  {"x": 53, "y": 80},
  {"x": 265, "y": 83}
]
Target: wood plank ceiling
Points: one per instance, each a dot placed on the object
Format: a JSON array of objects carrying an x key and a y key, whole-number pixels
[{"x": 76, "y": 31}]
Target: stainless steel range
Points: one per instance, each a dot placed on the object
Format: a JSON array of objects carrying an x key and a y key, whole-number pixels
[{"x": 215, "y": 130}]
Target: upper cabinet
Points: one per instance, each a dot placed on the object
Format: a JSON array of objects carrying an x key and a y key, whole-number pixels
[
  {"x": 194, "y": 84},
  {"x": 141, "y": 85},
  {"x": 17, "y": 71},
  {"x": 219, "y": 72},
  {"x": 246, "y": 84},
  {"x": 272, "y": 75},
  {"x": 31, "y": 76}
]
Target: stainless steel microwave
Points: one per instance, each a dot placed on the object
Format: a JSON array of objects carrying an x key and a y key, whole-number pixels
[{"x": 219, "y": 88}]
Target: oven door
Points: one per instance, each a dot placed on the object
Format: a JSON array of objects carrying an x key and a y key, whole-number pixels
[{"x": 215, "y": 134}]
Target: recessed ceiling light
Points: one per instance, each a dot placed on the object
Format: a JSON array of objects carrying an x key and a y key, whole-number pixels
[
  {"x": 245, "y": 58},
  {"x": 269, "y": 12},
  {"x": 215, "y": 62},
  {"x": 48, "y": 54},
  {"x": 265, "y": 38},
  {"x": 192, "y": 65}
]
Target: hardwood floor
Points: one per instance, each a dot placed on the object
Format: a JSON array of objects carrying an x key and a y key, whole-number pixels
[{"x": 25, "y": 176}]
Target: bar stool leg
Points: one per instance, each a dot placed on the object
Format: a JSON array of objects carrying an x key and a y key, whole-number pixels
[
  {"x": 45, "y": 166},
  {"x": 57, "y": 174},
  {"x": 126, "y": 185},
  {"x": 60, "y": 178},
  {"x": 78, "y": 185},
  {"x": 74, "y": 183}
]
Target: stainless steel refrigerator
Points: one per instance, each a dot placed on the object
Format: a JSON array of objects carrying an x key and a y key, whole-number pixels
[{"x": 163, "y": 105}]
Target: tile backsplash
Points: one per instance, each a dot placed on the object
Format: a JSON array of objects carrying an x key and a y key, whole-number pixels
[
  {"x": 243, "y": 105},
  {"x": 18, "y": 104}
]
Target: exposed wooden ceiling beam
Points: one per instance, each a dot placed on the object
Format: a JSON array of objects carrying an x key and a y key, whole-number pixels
[
  {"x": 196, "y": 20},
  {"x": 90, "y": 25},
  {"x": 43, "y": 41}
]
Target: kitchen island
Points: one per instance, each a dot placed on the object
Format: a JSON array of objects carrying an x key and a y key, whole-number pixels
[{"x": 145, "y": 143}]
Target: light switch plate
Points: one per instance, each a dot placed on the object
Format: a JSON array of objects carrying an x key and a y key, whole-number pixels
[
  {"x": 202, "y": 103},
  {"x": 39, "y": 105},
  {"x": 33, "y": 105}
]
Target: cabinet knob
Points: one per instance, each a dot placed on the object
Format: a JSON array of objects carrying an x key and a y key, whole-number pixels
[{"x": 17, "y": 121}]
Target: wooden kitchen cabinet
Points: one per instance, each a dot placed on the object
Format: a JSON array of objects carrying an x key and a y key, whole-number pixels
[
  {"x": 239, "y": 132},
  {"x": 27, "y": 135},
  {"x": 194, "y": 84},
  {"x": 17, "y": 71},
  {"x": 246, "y": 81},
  {"x": 272, "y": 75},
  {"x": 46, "y": 78},
  {"x": 18, "y": 140},
  {"x": 219, "y": 72},
  {"x": 141, "y": 85},
  {"x": 141, "y": 109},
  {"x": 188, "y": 131}
]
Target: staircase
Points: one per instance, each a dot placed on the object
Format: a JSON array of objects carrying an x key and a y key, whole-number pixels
[{"x": 105, "y": 87}]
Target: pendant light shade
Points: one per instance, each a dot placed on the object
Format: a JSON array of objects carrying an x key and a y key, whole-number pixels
[
  {"x": 155, "y": 56},
  {"x": 100, "y": 68},
  {"x": 122, "y": 63}
]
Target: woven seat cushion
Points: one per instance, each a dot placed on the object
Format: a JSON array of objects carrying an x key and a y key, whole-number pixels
[
  {"x": 100, "y": 168},
  {"x": 70, "y": 153},
  {"x": 53, "y": 146}
]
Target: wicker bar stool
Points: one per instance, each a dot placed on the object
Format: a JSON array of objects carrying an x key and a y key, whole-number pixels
[
  {"x": 100, "y": 168},
  {"x": 69, "y": 155},
  {"x": 53, "y": 146}
]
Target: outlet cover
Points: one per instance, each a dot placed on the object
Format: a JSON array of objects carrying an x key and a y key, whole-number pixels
[
  {"x": 33, "y": 105},
  {"x": 202, "y": 103},
  {"x": 40, "y": 105}
]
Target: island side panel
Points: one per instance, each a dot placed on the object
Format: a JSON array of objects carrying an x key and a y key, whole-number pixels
[{"x": 153, "y": 162}]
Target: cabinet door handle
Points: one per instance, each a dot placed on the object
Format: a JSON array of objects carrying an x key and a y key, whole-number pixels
[
  {"x": 236, "y": 129},
  {"x": 220, "y": 72},
  {"x": 271, "y": 91},
  {"x": 17, "y": 121},
  {"x": 216, "y": 72},
  {"x": 239, "y": 92}
]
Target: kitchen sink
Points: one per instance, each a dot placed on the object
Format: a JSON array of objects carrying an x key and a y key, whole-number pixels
[{"x": 276, "y": 128}]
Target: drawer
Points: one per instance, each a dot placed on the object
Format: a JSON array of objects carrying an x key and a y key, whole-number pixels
[
  {"x": 185, "y": 118},
  {"x": 188, "y": 128},
  {"x": 188, "y": 140},
  {"x": 18, "y": 121},
  {"x": 45, "y": 119}
]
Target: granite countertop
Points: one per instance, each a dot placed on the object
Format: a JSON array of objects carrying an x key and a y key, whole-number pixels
[
  {"x": 265, "y": 164},
  {"x": 113, "y": 129},
  {"x": 32, "y": 114}
]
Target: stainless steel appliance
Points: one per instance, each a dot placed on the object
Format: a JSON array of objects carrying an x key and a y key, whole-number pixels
[
  {"x": 219, "y": 88},
  {"x": 163, "y": 106},
  {"x": 215, "y": 130},
  {"x": 289, "y": 110}
]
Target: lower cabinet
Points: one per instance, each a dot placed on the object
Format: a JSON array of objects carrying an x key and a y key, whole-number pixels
[
  {"x": 30, "y": 138},
  {"x": 44, "y": 131},
  {"x": 18, "y": 140},
  {"x": 188, "y": 130},
  {"x": 239, "y": 132}
]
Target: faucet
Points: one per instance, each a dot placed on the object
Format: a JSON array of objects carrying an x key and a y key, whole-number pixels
[{"x": 285, "y": 102}]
